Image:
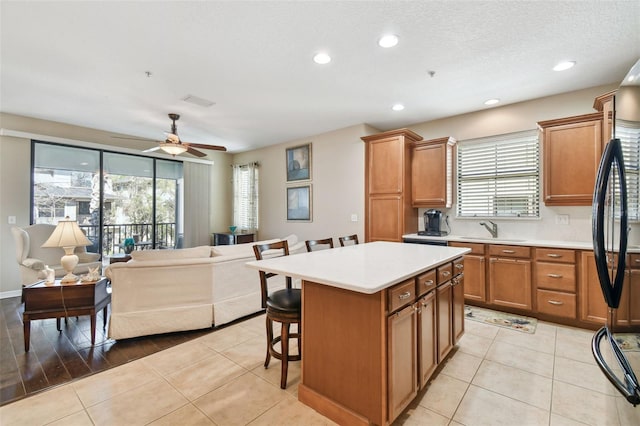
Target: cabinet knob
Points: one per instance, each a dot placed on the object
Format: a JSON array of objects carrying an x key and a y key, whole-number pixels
[
  {"x": 554, "y": 255},
  {"x": 554, "y": 275},
  {"x": 555, "y": 302}
]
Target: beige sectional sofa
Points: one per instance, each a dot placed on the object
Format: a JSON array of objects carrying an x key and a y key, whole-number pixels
[{"x": 161, "y": 291}]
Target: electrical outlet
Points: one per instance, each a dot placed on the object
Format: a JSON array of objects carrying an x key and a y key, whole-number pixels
[
  {"x": 562, "y": 219},
  {"x": 354, "y": 217}
]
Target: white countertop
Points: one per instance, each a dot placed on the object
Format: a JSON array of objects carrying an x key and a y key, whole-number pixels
[
  {"x": 364, "y": 268},
  {"x": 576, "y": 245}
]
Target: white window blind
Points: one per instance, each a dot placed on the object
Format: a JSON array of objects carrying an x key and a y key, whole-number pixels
[
  {"x": 629, "y": 135},
  {"x": 245, "y": 196},
  {"x": 499, "y": 176}
]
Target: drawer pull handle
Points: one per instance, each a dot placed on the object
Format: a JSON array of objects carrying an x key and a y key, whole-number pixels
[
  {"x": 637, "y": 260},
  {"x": 446, "y": 273},
  {"x": 428, "y": 282},
  {"x": 554, "y": 275},
  {"x": 554, "y": 255},
  {"x": 459, "y": 266},
  {"x": 509, "y": 251},
  {"x": 555, "y": 302},
  {"x": 404, "y": 295}
]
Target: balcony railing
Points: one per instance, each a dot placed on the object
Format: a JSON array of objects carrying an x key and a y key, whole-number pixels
[{"x": 142, "y": 233}]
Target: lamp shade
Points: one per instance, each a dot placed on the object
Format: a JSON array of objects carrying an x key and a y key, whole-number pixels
[{"x": 67, "y": 234}]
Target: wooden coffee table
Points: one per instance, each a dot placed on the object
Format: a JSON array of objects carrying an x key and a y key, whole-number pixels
[{"x": 59, "y": 300}]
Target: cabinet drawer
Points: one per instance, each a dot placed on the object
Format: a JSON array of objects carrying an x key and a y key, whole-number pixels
[
  {"x": 401, "y": 294},
  {"x": 555, "y": 255},
  {"x": 444, "y": 273},
  {"x": 458, "y": 266},
  {"x": 556, "y": 303},
  {"x": 556, "y": 276},
  {"x": 509, "y": 251},
  {"x": 634, "y": 261},
  {"x": 476, "y": 248},
  {"x": 425, "y": 282}
]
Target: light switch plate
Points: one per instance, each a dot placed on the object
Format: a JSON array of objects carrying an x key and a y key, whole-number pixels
[
  {"x": 354, "y": 217},
  {"x": 12, "y": 220},
  {"x": 562, "y": 219}
]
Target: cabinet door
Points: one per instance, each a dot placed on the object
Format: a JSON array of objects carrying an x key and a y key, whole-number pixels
[
  {"x": 581, "y": 144},
  {"x": 385, "y": 168},
  {"x": 427, "y": 337},
  {"x": 385, "y": 218},
  {"x": 510, "y": 282},
  {"x": 634, "y": 297},
  {"x": 403, "y": 363},
  {"x": 432, "y": 174},
  {"x": 593, "y": 307},
  {"x": 458, "y": 307},
  {"x": 475, "y": 284},
  {"x": 445, "y": 319}
]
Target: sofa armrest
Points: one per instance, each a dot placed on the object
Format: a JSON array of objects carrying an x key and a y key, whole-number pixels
[{"x": 35, "y": 264}]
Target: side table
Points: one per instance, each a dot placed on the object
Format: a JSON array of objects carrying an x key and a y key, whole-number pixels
[
  {"x": 59, "y": 300},
  {"x": 227, "y": 238},
  {"x": 122, "y": 257}
]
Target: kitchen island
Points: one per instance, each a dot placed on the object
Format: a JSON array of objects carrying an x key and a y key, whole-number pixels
[{"x": 377, "y": 318}]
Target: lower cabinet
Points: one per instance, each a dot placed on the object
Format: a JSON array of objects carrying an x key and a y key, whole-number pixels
[
  {"x": 510, "y": 282},
  {"x": 444, "y": 313},
  {"x": 457, "y": 304},
  {"x": 403, "y": 354},
  {"x": 427, "y": 338}
]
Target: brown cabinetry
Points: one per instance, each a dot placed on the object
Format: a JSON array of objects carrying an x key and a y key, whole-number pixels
[
  {"x": 555, "y": 278},
  {"x": 388, "y": 210},
  {"x": 510, "y": 276},
  {"x": 457, "y": 302},
  {"x": 402, "y": 363},
  {"x": 427, "y": 341},
  {"x": 432, "y": 173},
  {"x": 578, "y": 140},
  {"x": 474, "y": 282}
]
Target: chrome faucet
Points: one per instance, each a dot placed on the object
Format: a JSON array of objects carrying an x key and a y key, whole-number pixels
[{"x": 493, "y": 229}]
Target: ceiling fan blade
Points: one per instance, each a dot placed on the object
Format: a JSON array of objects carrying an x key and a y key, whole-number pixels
[
  {"x": 195, "y": 152},
  {"x": 155, "y": 148},
  {"x": 132, "y": 139},
  {"x": 203, "y": 146}
]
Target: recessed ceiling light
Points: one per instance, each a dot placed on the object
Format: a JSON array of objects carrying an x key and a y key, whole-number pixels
[
  {"x": 562, "y": 66},
  {"x": 321, "y": 58},
  {"x": 491, "y": 101},
  {"x": 397, "y": 107},
  {"x": 388, "y": 40}
]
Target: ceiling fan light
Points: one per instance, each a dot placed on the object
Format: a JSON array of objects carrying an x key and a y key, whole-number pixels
[{"x": 173, "y": 148}]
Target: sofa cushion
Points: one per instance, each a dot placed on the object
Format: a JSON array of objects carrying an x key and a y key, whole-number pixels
[{"x": 185, "y": 253}]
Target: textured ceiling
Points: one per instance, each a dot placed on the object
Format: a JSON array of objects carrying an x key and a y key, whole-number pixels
[{"x": 84, "y": 63}]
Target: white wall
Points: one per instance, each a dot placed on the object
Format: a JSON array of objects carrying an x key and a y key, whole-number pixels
[{"x": 337, "y": 179}]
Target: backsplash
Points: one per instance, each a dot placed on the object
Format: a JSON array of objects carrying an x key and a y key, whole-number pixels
[{"x": 545, "y": 228}]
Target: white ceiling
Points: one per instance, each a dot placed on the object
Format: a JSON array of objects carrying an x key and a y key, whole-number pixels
[{"x": 84, "y": 63}]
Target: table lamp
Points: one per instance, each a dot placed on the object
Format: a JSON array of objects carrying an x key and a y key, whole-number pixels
[{"x": 68, "y": 235}]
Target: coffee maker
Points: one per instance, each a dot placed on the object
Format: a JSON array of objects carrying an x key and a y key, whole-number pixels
[{"x": 432, "y": 221}]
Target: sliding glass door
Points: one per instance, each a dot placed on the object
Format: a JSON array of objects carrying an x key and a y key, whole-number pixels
[{"x": 112, "y": 196}]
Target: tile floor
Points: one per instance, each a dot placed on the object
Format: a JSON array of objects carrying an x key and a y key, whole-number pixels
[{"x": 495, "y": 377}]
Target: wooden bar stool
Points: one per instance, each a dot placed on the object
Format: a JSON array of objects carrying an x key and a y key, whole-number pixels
[
  {"x": 283, "y": 306},
  {"x": 319, "y": 244},
  {"x": 347, "y": 238}
]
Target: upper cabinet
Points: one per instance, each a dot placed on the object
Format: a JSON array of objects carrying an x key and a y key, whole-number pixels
[
  {"x": 432, "y": 173},
  {"x": 388, "y": 210},
  {"x": 572, "y": 148}
]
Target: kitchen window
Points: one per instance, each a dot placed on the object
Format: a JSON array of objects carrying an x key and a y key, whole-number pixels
[
  {"x": 629, "y": 135},
  {"x": 499, "y": 176}
]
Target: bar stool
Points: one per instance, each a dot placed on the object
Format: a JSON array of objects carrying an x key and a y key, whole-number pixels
[
  {"x": 319, "y": 244},
  {"x": 344, "y": 239},
  {"x": 283, "y": 306}
]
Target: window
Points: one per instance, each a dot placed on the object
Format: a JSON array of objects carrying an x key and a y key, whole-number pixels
[
  {"x": 499, "y": 176},
  {"x": 629, "y": 135},
  {"x": 245, "y": 196}
]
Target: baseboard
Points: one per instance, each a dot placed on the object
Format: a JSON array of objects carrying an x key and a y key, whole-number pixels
[{"x": 12, "y": 293}]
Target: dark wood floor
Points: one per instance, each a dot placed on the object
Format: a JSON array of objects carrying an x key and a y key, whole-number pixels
[{"x": 57, "y": 357}]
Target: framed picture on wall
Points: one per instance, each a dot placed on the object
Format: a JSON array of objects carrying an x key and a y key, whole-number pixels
[
  {"x": 299, "y": 203},
  {"x": 299, "y": 163}
]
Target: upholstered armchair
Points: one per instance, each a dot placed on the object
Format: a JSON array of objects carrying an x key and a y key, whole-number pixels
[{"x": 32, "y": 258}]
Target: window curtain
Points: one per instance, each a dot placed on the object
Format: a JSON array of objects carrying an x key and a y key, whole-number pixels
[
  {"x": 197, "y": 187},
  {"x": 245, "y": 197}
]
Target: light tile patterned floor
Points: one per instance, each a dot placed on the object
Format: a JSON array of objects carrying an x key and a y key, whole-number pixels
[{"x": 495, "y": 377}]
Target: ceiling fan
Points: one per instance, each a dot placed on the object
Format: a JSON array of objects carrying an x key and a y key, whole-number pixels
[{"x": 174, "y": 146}]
